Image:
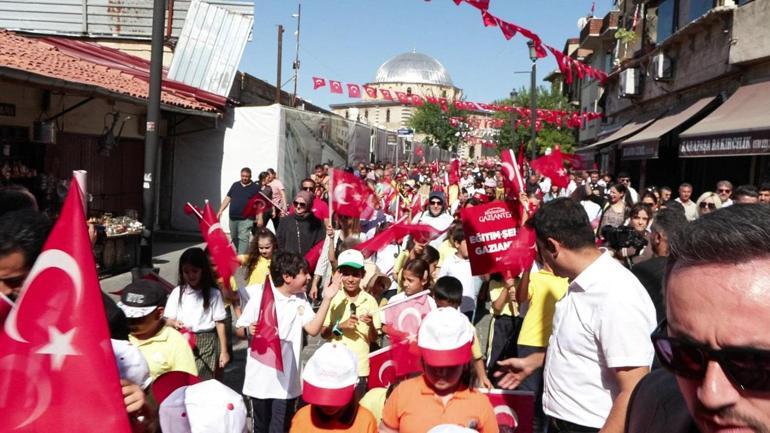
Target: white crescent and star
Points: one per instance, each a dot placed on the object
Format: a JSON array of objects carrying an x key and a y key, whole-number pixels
[
  {"x": 59, "y": 346},
  {"x": 383, "y": 367},
  {"x": 411, "y": 311},
  {"x": 505, "y": 410},
  {"x": 214, "y": 227},
  {"x": 339, "y": 192},
  {"x": 48, "y": 259},
  {"x": 509, "y": 170}
]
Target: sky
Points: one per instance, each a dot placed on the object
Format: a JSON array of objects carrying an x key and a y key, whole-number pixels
[{"x": 347, "y": 40}]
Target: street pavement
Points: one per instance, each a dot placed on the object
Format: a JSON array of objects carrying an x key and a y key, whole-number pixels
[{"x": 166, "y": 260}]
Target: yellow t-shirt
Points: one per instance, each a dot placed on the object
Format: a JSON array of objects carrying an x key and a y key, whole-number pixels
[
  {"x": 398, "y": 267},
  {"x": 357, "y": 340},
  {"x": 495, "y": 290},
  {"x": 545, "y": 289},
  {"x": 476, "y": 346},
  {"x": 166, "y": 351},
  {"x": 374, "y": 400},
  {"x": 259, "y": 273}
]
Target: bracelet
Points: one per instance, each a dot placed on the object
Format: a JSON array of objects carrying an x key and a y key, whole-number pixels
[{"x": 336, "y": 329}]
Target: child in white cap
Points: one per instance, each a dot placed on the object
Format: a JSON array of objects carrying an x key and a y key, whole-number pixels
[
  {"x": 328, "y": 384},
  {"x": 442, "y": 395}
]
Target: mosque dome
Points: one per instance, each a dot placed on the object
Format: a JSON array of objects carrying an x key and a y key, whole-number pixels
[{"x": 413, "y": 68}]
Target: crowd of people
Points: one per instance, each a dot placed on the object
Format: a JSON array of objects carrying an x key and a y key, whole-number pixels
[{"x": 589, "y": 330}]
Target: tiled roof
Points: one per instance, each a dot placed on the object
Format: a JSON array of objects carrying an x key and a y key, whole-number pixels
[{"x": 95, "y": 65}]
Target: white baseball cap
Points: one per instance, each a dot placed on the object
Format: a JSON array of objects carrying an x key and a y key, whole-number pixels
[
  {"x": 445, "y": 338},
  {"x": 203, "y": 407},
  {"x": 351, "y": 258},
  {"x": 330, "y": 376},
  {"x": 131, "y": 363}
]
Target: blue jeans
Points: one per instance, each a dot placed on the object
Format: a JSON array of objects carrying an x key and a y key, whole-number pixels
[{"x": 240, "y": 231}]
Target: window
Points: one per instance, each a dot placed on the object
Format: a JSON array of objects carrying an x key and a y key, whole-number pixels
[
  {"x": 347, "y": 114},
  {"x": 387, "y": 115},
  {"x": 408, "y": 90},
  {"x": 667, "y": 19},
  {"x": 443, "y": 93},
  {"x": 366, "y": 114},
  {"x": 698, "y": 8}
]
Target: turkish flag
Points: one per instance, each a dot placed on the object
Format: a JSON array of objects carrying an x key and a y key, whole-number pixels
[
  {"x": 417, "y": 101},
  {"x": 512, "y": 179},
  {"x": 488, "y": 19},
  {"x": 509, "y": 30},
  {"x": 349, "y": 193},
  {"x": 454, "y": 172},
  {"x": 318, "y": 82},
  {"x": 403, "y": 318},
  {"x": 402, "y": 97},
  {"x": 391, "y": 362},
  {"x": 443, "y": 103},
  {"x": 386, "y": 94},
  {"x": 513, "y": 409},
  {"x": 257, "y": 205},
  {"x": 55, "y": 346},
  {"x": 354, "y": 91},
  {"x": 266, "y": 345},
  {"x": 335, "y": 86},
  {"x": 416, "y": 206},
  {"x": 539, "y": 50},
  {"x": 220, "y": 249},
  {"x": 312, "y": 256},
  {"x": 370, "y": 92},
  {"x": 552, "y": 166},
  {"x": 396, "y": 232},
  {"x": 480, "y": 4}
]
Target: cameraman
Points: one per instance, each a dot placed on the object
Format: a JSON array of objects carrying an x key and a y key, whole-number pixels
[{"x": 629, "y": 242}]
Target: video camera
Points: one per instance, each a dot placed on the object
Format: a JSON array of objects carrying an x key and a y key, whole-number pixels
[{"x": 624, "y": 237}]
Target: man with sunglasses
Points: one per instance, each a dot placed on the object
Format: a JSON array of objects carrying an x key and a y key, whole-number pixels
[
  {"x": 300, "y": 231},
  {"x": 435, "y": 216},
  {"x": 725, "y": 191},
  {"x": 715, "y": 338}
]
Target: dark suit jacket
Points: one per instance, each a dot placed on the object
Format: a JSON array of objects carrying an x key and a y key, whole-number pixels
[
  {"x": 657, "y": 406},
  {"x": 650, "y": 274}
]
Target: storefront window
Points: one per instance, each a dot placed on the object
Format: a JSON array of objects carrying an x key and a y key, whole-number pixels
[
  {"x": 698, "y": 8},
  {"x": 667, "y": 19}
]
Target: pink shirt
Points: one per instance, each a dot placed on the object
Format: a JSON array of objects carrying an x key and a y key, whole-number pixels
[{"x": 277, "y": 187}]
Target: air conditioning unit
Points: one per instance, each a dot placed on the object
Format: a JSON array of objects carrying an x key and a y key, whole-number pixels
[
  {"x": 629, "y": 83},
  {"x": 662, "y": 67}
]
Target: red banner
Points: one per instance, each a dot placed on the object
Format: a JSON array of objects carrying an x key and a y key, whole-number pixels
[
  {"x": 494, "y": 239},
  {"x": 513, "y": 409}
]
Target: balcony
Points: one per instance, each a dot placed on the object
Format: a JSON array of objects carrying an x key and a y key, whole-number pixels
[
  {"x": 589, "y": 36},
  {"x": 610, "y": 25}
]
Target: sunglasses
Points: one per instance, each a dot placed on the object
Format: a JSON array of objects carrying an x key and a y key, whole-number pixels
[
  {"x": 705, "y": 205},
  {"x": 308, "y": 188},
  {"x": 300, "y": 204},
  {"x": 746, "y": 368},
  {"x": 13, "y": 281},
  {"x": 724, "y": 190},
  {"x": 436, "y": 203}
]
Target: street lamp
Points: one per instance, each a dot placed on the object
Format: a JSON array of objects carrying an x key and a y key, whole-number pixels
[
  {"x": 532, "y": 96},
  {"x": 514, "y": 94}
]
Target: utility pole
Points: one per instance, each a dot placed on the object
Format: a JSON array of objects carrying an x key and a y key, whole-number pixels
[
  {"x": 280, "y": 56},
  {"x": 533, "y": 98},
  {"x": 298, "y": 15},
  {"x": 151, "y": 133}
]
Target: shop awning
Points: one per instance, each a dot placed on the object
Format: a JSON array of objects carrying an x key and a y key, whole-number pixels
[
  {"x": 624, "y": 132},
  {"x": 740, "y": 126},
  {"x": 92, "y": 69},
  {"x": 644, "y": 145}
]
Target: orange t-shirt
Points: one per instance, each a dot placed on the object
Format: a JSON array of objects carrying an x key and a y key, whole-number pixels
[
  {"x": 413, "y": 407},
  {"x": 304, "y": 421}
]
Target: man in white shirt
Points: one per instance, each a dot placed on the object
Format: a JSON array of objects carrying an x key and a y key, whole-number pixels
[
  {"x": 625, "y": 179},
  {"x": 600, "y": 346},
  {"x": 690, "y": 208},
  {"x": 459, "y": 266}
]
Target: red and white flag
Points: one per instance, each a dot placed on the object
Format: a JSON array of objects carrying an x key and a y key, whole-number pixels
[
  {"x": 417, "y": 204},
  {"x": 391, "y": 362},
  {"x": 335, "y": 86},
  {"x": 220, "y": 249},
  {"x": 55, "y": 346},
  {"x": 513, "y": 409},
  {"x": 266, "y": 345},
  {"x": 479, "y": 4},
  {"x": 512, "y": 179},
  {"x": 5, "y": 307},
  {"x": 349, "y": 194},
  {"x": 354, "y": 91},
  {"x": 417, "y": 101},
  {"x": 403, "y": 318},
  {"x": 318, "y": 82},
  {"x": 402, "y": 97},
  {"x": 552, "y": 166},
  {"x": 371, "y": 91},
  {"x": 509, "y": 30},
  {"x": 386, "y": 94},
  {"x": 257, "y": 205},
  {"x": 488, "y": 19},
  {"x": 313, "y": 255}
]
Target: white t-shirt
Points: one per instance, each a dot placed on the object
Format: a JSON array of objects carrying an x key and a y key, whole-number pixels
[
  {"x": 293, "y": 312},
  {"x": 603, "y": 322},
  {"x": 385, "y": 259},
  {"x": 459, "y": 268},
  {"x": 690, "y": 209},
  {"x": 593, "y": 210},
  {"x": 190, "y": 310}
]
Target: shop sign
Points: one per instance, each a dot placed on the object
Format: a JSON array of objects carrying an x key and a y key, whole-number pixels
[
  {"x": 756, "y": 143},
  {"x": 392, "y": 139},
  {"x": 8, "y": 110},
  {"x": 643, "y": 150}
]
